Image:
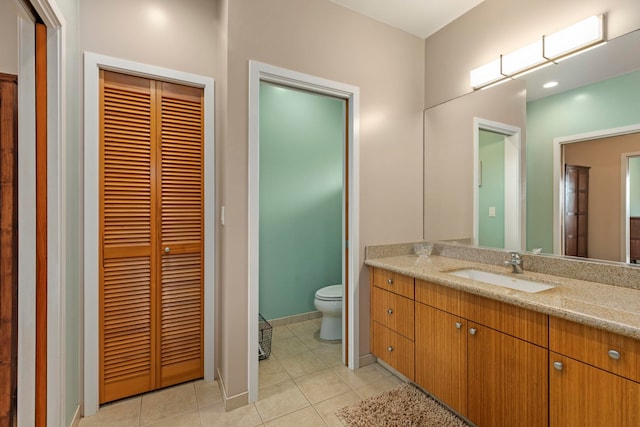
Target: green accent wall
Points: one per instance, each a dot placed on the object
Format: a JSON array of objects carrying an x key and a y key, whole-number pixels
[
  {"x": 634, "y": 186},
  {"x": 491, "y": 192},
  {"x": 608, "y": 104},
  {"x": 301, "y": 192}
]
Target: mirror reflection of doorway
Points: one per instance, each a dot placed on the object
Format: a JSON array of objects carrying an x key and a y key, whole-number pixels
[
  {"x": 609, "y": 199},
  {"x": 491, "y": 189},
  {"x": 498, "y": 186},
  {"x": 633, "y": 207}
]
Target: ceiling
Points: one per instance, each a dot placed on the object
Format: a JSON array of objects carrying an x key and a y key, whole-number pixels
[{"x": 418, "y": 17}]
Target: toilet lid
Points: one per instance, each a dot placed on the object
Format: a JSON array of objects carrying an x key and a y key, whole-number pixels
[{"x": 333, "y": 292}]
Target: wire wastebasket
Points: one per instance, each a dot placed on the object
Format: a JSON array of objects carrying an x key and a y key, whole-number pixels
[{"x": 265, "y": 331}]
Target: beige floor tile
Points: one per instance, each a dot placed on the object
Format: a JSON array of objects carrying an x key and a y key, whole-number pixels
[
  {"x": 280, "y": 333},
  {"x": 307, "y": 417},
  {"x": 327, "y": 409},
  {"x": 284, "y": 347},
  {"x": 190, "y": 419},
  {"x": 167, "y": 403},
  {"x": 207, "y": 393},
  {"x": 308, "y": 327},
  {"x": 321, "y": 385},
  {"x": 125, "y": 413},
  {"x": 216, "y": 416},
  {"x": 270, "y": 371},
  {"x": 330, "y": 355},
  {"x": 313, "y": 341},
  {"x": 363, "y": 376},
  {"x": 301, "y": 363},
  {"x": 280, "y": 399},
  {"x": 378, "y": 387}
]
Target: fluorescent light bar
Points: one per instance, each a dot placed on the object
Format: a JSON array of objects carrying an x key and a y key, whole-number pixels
[
  {"x": 522, "y": 59},
  {"x": 550, "y": 49},
  {"x": 486, "y": 74},
  {"x": 573, "y": 38}
]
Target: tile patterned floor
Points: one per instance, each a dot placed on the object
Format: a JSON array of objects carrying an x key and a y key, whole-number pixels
[{"x": 303, "y": 383}]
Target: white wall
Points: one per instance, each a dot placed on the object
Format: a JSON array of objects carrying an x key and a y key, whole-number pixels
[
  {"x": 320, "y": 38},
  {"x": 8, "y": 37},
  {"x": 448, "y": 155}
]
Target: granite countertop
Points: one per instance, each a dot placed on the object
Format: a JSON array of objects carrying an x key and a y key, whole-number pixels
[{"x": 609, "y": 307}]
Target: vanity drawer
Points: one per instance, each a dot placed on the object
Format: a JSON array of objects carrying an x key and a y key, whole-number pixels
[
  {"x": 394, "y": 349},
  {"x": 516, "y": 321},
  {"x": 393, "y": 282},
  {"x": 440, "y": 297},
  {"x": 393, "y": 311},
  {"x": 606, "y": 350}
]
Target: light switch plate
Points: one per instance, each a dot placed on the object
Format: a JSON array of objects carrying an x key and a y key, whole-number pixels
[{"x": 492, "y": 211}]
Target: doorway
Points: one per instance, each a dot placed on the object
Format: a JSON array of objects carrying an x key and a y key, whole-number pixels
[
  {"x": 259, "y": 72},
  {"x": 302, "y": 204},
  {"x": 606, "y": 153},
  {"x": 501, "y": 208}
]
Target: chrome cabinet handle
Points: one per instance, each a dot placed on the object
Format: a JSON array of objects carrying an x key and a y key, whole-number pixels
[
  {"x": 473, "y": 331},
  {"x": 167, "y": 249},
  {"x": 558, "y": 366},
  {"x": 458, "y": 325},
  {"x": 390, "y": 281},
  {"x": 389, "y": 311},
  {"x": 615, "y": 355},
  {"x": 390, "y": 349}
]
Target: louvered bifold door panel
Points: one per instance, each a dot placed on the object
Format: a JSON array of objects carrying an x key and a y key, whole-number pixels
[
  {"x": 127, "y": 212},
  {"x": 181, "y": 233}
]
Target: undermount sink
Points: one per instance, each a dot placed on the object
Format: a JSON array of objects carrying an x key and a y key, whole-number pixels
[{"x": 511, "y": 282}]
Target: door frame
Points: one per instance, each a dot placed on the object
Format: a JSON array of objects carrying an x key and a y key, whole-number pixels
[
  {"x": 514, "y": 182},
  {"x": 268, "y": 73},
  {"x": 558, "y": 175},
  {"x": 625, "y": 208},
  {"x": 93, "y": 63},
  {"x": 56, "y": 209}
]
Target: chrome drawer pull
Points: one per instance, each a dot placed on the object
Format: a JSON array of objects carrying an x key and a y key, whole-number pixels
[
  {"x": 615, "y": 355},
  {"x": 390, "y": 349},
  {"x": 558, "y": 366},
  {"x": 389, "y": 311},
  {"x": 473, "y": 331},
  {"x": 390, "y": 281},
  {"x": 458, "y": 325}
]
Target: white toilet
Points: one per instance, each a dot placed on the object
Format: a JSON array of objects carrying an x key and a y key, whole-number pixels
[{"x": 328, "y": 301}]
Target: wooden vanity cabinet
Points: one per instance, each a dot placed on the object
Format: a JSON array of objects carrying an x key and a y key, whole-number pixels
[
  {"x": 441, "y": 356},
  {"x": 485, "y": 359},
  {"x": 392, "y": 320},
  {"x": 593, "y": 376}
]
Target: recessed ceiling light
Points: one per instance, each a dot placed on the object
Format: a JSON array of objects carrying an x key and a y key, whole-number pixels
[{"x": 549, "y": 85}]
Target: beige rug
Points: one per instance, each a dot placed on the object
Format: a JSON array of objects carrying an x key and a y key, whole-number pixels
[{"x": 403, "y": 406}]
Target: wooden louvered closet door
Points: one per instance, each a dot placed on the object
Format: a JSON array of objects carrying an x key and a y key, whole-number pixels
[{"x": 151, "y": 222}]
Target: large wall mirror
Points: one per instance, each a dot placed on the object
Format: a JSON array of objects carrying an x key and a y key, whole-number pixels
[{"x": 591, "y": 119}]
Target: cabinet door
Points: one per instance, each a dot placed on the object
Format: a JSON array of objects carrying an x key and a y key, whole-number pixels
[
  {"x": 581, "y": 395},
  {"x": 441, "y": 356},
  {"x": 393, "y": 311},
  {"x": 394, "y": 349},
  {"x": 507, "y": 380}
]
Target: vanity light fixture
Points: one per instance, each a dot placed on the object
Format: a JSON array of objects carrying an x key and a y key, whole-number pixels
[{"x": 546, "y": 51}]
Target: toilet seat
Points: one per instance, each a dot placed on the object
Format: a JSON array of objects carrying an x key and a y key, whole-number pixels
[{"x": 329, "y": 293}]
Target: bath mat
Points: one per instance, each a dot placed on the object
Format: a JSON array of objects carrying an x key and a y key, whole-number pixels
[{"x": 405, "y": 405}]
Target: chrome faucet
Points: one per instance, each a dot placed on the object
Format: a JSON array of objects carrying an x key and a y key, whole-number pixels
[{"x": 515, "y": 262}]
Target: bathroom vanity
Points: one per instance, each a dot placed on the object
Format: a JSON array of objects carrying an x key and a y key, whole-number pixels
[{"x": 565, "y": 356}]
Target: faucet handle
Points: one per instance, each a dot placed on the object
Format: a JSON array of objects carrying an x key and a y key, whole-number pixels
[{"x": 514, "y": 255}]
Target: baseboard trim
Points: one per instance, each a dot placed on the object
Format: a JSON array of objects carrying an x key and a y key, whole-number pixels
[
  {"x": 393, "y": 371},
  {"x": 231, "y": 402},
  {"x": 75, "y": 421},
  {"x": 281, "y": 321},
  {"x": 367, "y": 359}
]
